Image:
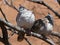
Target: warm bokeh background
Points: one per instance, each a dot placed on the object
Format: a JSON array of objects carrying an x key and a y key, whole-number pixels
[{"x": 39, "y": 10}]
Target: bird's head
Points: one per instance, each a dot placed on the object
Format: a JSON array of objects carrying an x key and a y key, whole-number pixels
[
  {"x": 21, "y": 8},
  {"x": 49, "y": 17}
]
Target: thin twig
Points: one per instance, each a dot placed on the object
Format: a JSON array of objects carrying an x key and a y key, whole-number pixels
[
  {"x": 27, "y": 41},
  {"x": 45, "y": 4},
  {"x": 3, "y": 15},
  {"x": 56, "y": 34},
  {"x": 43, "y": 38},
  {"x": 11, "y": 5}
]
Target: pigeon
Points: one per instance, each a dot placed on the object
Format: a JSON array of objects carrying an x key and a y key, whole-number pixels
[
  {"x": 25, "y": 19},
  {"x": 43, "y": 26}
]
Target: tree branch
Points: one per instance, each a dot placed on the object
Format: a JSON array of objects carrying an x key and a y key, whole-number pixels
[
  {"x": 27, "y": 41},
  {"x": 45, "y": 4},
  {"x": 11, "y": 5},
  {"x": 3, "y": 15},
  {"x": 5, "y": 34},
  {"x": 21, "y": 29},
  {"x": 56, "y": 34}
]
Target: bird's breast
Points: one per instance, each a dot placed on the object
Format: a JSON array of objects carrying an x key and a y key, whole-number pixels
[
  {"x": 49, "y": 27},
  {"x": 26, "y": 19}
]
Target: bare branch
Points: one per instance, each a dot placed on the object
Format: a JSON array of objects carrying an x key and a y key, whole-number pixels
[
  {"x": 3, "y": 15},
  {"x": 27, "y": 41},
  {"x": 21, "y": 29},
  {"x": 45, "y": 4},
  {"x": 5, "y": 34},
  {"x": 57, "y": 14},
  {"x": 11, "y": 5},
  {"x": 6, "y": 20},
  {"x": 43, "y": 38},
  {"x": 18, "y": 29},
  {"x": 56, "y": 34}
]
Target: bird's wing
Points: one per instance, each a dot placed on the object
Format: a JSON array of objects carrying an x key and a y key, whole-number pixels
[{"x": 37, "y": 24}]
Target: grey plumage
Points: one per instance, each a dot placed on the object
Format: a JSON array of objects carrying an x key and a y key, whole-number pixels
[{"x": 25, "y": 19}]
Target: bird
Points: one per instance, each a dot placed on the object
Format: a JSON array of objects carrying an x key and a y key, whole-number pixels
[
  {"x": 25, "y": 19},
  {"x": 43, "y": 26}
]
